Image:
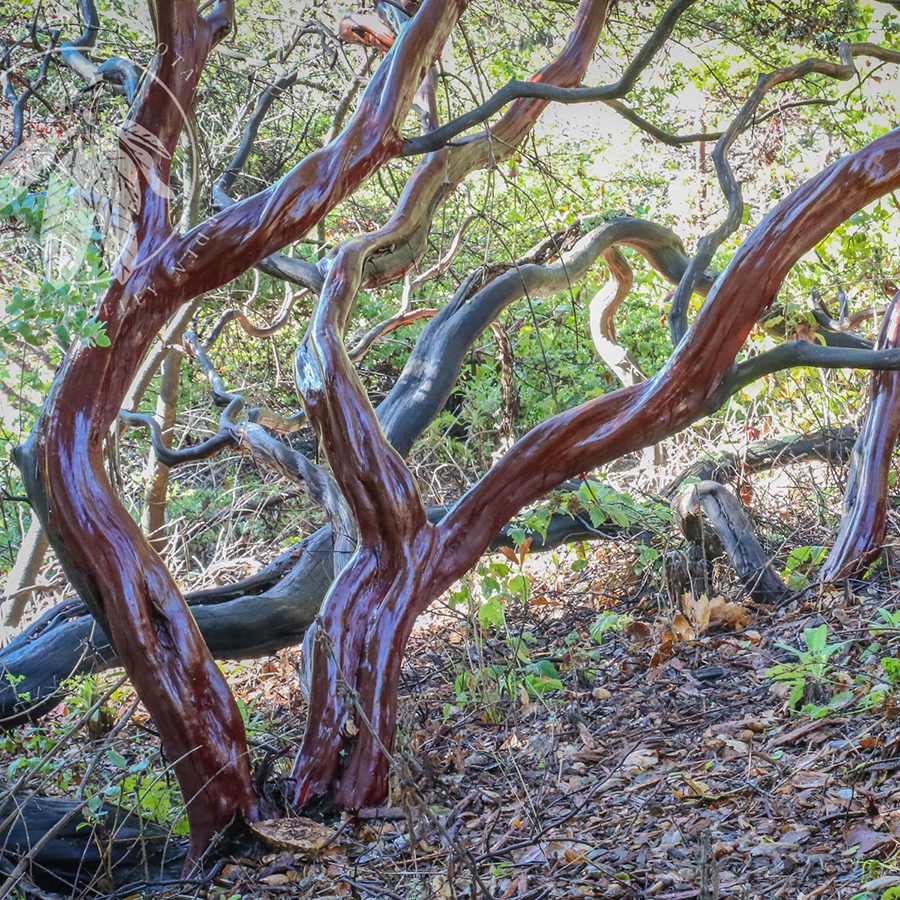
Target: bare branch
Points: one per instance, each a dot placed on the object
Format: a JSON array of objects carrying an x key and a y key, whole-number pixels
[
  {"x": 399, "y": 320},
  {"x": 803, "y": 353},
  {"x": 602, "y": 310},
  {"x": 263, "y": 331},
  {"x": 213, "y": 446},
  {"x": 541, "y": 90},
  {"x": 710, "y": 243},
  {"x": 678, "y": 140},
  {"x": 604, "y": 428},
  {"x": 270, "y": 93}
]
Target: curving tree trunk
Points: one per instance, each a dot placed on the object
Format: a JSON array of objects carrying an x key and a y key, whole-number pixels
[
  {"x": 403, "y": 560},
  {"x": 124, "y": 583},
  {"x": 864, "y": 523},
  {"x": 404, "y": 563}
]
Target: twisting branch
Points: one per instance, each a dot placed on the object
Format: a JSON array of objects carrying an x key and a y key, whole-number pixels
[
  {"x": 542, "y": 90},
  {"x": 731, "y": 189},
  {"x": 261, "y": 331},
  {"x": 679, "y": 140},
  {"x": 19, "y": 102},
  {"x": 130, "y": 592},
  {"x": 803, "y": 353},
  {"x": 875, "y": 51},
  {"x": 116, "y": 70},
  {"x": 602, "y": 310},
  {"x": 220, "y": 441},
  {"x": 399, "y": 319},
  {"x": 847, "y": 321},
  {"x": 252, "y": 439},
  {"x": 270, "y": 93},
  {"x": 264, "y": 223},
  {"x": 605, "y": 428},
  {"x": 672, "y": 140},
  {"x": 368, "y": 615}
]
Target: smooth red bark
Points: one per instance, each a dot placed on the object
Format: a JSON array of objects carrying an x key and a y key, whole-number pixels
[
  {"x": 372, "y": 605},
  {"x": 863, "y": 523},
  {"x": 125, "y": 583},
  {"x": 403, "y": 563},
  {"x": 401, "y": 568}
]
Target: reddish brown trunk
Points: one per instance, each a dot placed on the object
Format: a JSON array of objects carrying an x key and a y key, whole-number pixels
[
  {"x": 863, "y": 523},
  {"x": 124, "y": 582},
  {"x": 404, "y": 563},
  {"x": 129, "y": 587},
  {"x": 370, "y": 610}
]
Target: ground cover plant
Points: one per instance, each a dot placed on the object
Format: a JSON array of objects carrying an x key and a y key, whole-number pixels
[{"x": 428, "y": 257}]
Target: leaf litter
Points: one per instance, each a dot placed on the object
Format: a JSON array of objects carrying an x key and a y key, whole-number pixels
[{"x": 667, "y": 764}]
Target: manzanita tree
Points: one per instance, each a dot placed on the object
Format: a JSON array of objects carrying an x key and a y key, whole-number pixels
[{"x": 391, "y": 560}]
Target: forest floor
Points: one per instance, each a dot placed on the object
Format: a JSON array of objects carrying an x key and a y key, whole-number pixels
[
  {"x": 667, "y": 769},
  {"x": 592, "y": 739}
]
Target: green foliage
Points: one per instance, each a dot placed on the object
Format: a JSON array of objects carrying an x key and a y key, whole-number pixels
[
  {"x": 873, "y": 871},
  {"x": 495, "y": 586},
  {"x": 609, "y": 621},
  {"x": 603, "y": 504},
  {"x": 134, "y": 785},
  {"x": 799, "y": 562},
  {"x": 55, "y": 294},
  {"x": 811, "y": 671}
]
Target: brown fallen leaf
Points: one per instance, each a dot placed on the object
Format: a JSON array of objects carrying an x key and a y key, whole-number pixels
[
  {"x": 866, "y": 839},
  {"x": 697, "y": 611},
  {"x": 509, "y": 554},
  {"x": 716, "y": 614},
  {"x": 300, "y": 836},
  {"x": 585, "y": 735},
  {"x": 682, "y": 629},
  {"x": 725, "y": 616},
  {"x": 662, "y": 654},
  {"x": 638, "y": 631}
]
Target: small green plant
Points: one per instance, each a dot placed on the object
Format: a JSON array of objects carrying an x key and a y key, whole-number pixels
[
  {"x": 609, "y": 621},
  {"x": 873, "y": 871},
  {"x": 808, "y": 678},
  {"x": 888, "y": 627},
  {"x": 488, "y": 595},
  {"x": 603, "y": 505},
  {"x": 800, "y": 562},
  {"x": 134, "y": 785}
]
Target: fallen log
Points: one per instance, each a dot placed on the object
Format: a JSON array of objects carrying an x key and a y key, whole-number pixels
[
  {"x": 64, "y": 846},
  {"x": 236, "y": 623},
  {"x": 726, "y": 515}
]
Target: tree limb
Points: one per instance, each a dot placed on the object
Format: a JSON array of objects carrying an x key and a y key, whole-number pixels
[{"x": 540, "y": 90}]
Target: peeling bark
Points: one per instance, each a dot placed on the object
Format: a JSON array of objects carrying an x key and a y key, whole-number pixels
[{"x": 863, "y": 523}]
